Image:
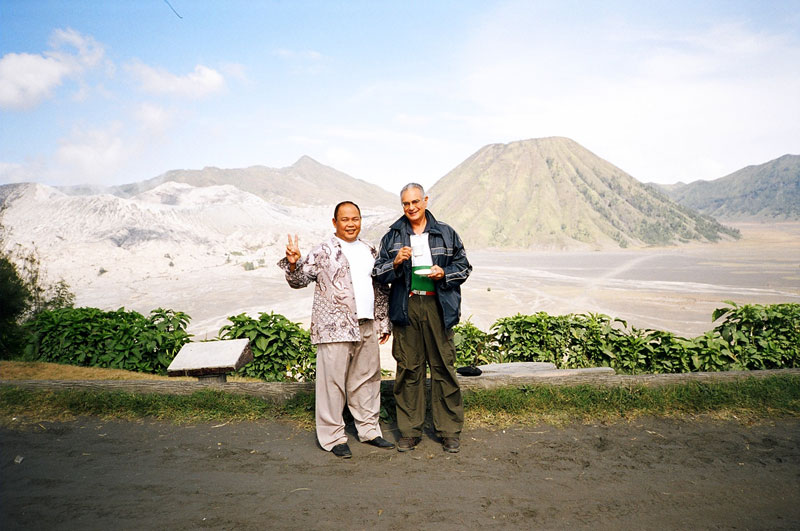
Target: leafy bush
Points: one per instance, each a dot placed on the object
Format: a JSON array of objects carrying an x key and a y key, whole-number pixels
[
  {"x": 472, "y": 345},
  {"x": 24, "y": 293},
  {"x": 42, "y": 294},
  {"x": 281, "y": 349},
  {"x": 14, "y": 296},
  {"x": 568, "y": 341},
  {"x": 117, "y": 339},
  {"x": 761, "y": 337},
  {"x": 750, "y": 337}
]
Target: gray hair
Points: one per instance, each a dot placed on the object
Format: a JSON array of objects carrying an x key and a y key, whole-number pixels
[{"x": 409, "y": 186}]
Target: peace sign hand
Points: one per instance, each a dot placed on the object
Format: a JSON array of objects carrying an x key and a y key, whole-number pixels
[{"x": 292, "y": 251}]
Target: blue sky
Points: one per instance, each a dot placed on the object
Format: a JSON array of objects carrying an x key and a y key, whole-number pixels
[{"x": 106, "y": 92}]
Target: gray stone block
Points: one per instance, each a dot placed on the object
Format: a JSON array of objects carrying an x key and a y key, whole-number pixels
[{"x": 211, "y": 358}]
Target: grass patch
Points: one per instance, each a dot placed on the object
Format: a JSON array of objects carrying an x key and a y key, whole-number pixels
[
  {"x": 205, "y": 405},
  {"x": 746, "y": 400},
  {"x": 39, "y": 370}
]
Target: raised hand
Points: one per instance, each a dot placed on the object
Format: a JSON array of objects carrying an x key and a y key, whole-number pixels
[
  {"x": 292, "y": 251},
  {"x": 402, "y": 255}
]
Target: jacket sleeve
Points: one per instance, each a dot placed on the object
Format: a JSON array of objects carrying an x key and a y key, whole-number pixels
[
  {"x": 383, "y": 271},
  {"x": 459, "y": 268},
  {"x": 382, "y": 307},
  {"x": 305, "y": 271}
]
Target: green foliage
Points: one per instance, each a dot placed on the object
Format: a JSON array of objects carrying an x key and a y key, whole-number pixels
[
  {"x": 282, "y": 350},
  {"x": 117, "y": 339},
  {"x": 749, "y": 337},
  {"x": 23, "y": 294},
  {"x": 472, "y": 345},
  {"x": 761, "y": 337},
  {"x": 568, "y": 341},
  {"x": 14, "y": 296},
  {"x": 42, "y": 294}
]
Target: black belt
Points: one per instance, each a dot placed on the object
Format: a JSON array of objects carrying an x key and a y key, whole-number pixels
[{"x": 362, "y": 321}]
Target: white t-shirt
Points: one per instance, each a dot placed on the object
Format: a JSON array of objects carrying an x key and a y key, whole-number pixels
[
  {"x": 420, "y": 250},
  {"x": 361, "y": 261}
]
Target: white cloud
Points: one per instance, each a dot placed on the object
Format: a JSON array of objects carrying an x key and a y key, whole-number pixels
[
  {"x": 92, "y": 156},
  {"x": 27, "y": 79},
  {"x": 154, "y": 119},
  {"x": 11, "y": 172},
  {"x": 202, "y": 82},
  {"x": 235, "y": 71},
  {"x": 90, "y": 52},
  {"x": 672, "y": 106}
]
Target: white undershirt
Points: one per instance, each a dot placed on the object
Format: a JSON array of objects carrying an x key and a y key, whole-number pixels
[
  {"x": 361, "y": 261},
  {"x": 420, "y": 250}
]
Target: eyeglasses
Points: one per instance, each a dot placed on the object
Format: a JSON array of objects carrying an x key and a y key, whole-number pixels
[{"x": 409, "y": 204}]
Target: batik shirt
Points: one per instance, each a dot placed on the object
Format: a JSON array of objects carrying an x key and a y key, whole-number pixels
[{"x": 333, "y": 313}]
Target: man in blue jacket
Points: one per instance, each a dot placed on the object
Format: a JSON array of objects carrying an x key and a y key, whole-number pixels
[{"x": 424, "y": 261}]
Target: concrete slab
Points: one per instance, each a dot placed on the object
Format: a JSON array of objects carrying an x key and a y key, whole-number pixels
[
  {"x": 516, "y": 368},
  {"x": 211, "y": 358}
]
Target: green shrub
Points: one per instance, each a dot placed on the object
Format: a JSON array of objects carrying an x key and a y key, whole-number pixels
[
  {"x": 24, "y": 293},
  {"x": 117, "y": 339},
  {"x": 761, "y": 337},
  {"x": 14, "y": 296},
  {"x": 473, "y": 345},
  {"x": 282, "y": 351},
  {"x": 568, "y": 341},
  {"x": 751, "y": 336}
]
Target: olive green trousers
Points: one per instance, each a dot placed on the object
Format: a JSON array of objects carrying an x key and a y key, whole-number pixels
[{"x": 426, "y": 342}]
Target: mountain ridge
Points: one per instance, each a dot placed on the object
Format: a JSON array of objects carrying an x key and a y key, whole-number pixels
[
  {"x": 768, "y": 191},
  {"x": 304, "y": 182},
  {"x": 554, "y": 193}
]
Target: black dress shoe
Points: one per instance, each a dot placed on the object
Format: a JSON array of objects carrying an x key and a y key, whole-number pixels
[
  {"x": 380, "y": 442},
  {"x": 342, "y": 450}
]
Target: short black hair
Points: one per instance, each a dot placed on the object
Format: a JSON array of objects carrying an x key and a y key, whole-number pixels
[{"x": 336, "y": 210}]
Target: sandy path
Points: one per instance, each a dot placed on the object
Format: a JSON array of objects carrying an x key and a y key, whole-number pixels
[{"x": 647, "y": 474}]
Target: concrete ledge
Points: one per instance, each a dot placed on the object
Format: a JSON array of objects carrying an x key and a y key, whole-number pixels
[
  {"x": 527, "y": 373},
  {"x": 280, "y": 392},
  {"x": 603, "y": 376}
]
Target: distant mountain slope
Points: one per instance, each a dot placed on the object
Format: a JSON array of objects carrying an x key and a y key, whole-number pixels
[
  {"x": 173, "y": 213},
  {"x": 552, "y": 192},
  {"x": 306, "y": 182},
  {"x": 769, "y": 191}
]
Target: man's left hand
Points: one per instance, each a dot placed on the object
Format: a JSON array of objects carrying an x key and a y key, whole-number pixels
[
  {"x": 437, "y": 273},
  {"x": 384, "y": 338}
]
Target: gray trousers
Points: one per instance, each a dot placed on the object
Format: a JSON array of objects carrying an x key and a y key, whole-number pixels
[
  {"x": 426, "y": 342},
  {"x": 348, "y": 372}
]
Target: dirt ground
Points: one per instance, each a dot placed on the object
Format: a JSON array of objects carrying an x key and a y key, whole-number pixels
[{"x": 645, "y": 474}]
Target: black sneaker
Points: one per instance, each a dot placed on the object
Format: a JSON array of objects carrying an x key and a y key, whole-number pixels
[{"x": 342, "y": 450}]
